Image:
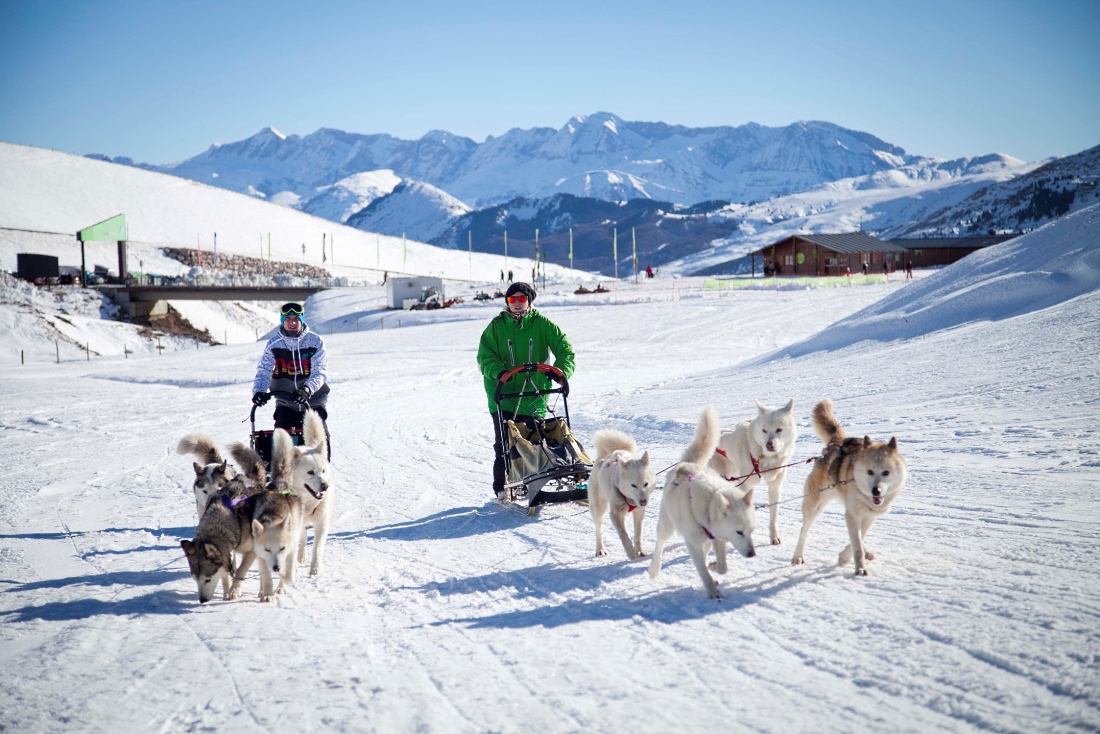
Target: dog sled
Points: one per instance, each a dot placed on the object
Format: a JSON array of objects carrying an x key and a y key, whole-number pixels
[
  {"x": 261, "y": 441},
  {"x": 543, "y": 461}
]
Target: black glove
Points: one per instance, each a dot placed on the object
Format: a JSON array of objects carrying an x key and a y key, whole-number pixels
[
  {"x": 303, "y": 394},
  {"x": 260, "y": 398}
]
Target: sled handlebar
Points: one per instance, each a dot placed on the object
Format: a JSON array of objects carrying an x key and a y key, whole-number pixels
[
  {"x": 555, "y": 375},
  {"x": 275, "y": 394}
]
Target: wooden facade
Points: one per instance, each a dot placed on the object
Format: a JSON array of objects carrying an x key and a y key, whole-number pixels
[
  {"x": 830, "y": 255},
  {"x": 930, "y": 252}
]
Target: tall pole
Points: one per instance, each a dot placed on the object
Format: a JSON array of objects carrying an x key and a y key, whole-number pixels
[
  {"x": 570, "y": 248},
  {"x": 470, "y": 251},
  {"x": 404, "y": 250},
  {"x": 505, "y": 249},
  {"x": 615, "y": 250},
  {"x": 377, "y": 249},
  {"x": 634, "y": 251},
  {"x": 536, "y": 251}
]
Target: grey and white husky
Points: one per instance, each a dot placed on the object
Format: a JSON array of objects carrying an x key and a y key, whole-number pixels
[
  {"x": 212, "y": 475},
  {"x": 866, "y": 475},
  {"x": 704, "y": 508},
  {"x": 224, "y": 530},
  {"x": 622, "y": 483},
  {"x": 754, "y": 449}
]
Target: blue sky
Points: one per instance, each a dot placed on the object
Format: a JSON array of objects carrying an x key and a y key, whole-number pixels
[{"x": 161, "y": 81}]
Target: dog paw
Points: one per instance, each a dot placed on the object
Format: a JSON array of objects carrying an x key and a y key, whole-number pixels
[
  {"x": 797, "y": 561},
  {"x": 641, "y": 554},
  {"x": 861, "y": 572},
  {"x": 265, "y": 598},
  {"x": 315, "y": 571},
  {"x": 600, "y": 552},
  {"x": 714, "y": 593},
  {"x": 776, "y": 540}
]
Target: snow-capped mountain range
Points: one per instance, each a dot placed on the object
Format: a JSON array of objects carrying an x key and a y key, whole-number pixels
[
  {"x": 715, "y": 193},
  {"x": 599, "y": 155}
]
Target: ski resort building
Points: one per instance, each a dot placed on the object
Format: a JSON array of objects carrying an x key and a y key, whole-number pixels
[
  {"x": 829, "y": 254},
  {"x": 929, "y": 252}
]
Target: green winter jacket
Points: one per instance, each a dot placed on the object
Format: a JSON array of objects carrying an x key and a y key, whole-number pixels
[{"x": 508, "y": 343}]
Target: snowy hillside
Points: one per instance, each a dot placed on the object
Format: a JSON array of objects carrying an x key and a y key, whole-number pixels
[
  {"x": 439, "y": 611},
  {"x": 350, "y": 195},
  {"x": 60, "y": 193},
  {"x": 1048, "y": 192},
  {"x": 883, "y": 204},
  {"x": 413, "y": 208}
]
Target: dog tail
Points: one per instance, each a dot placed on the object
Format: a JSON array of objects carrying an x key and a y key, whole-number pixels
[
  {"x": 706, "y": 437},
  {"x": 201, "y": 446},
  {"x": 313, "y": 431},
  {"x": 610, "y": 440},
  {"x": 282, "y": 456},
  {"x": 252, "y": 466},
  {"x": 826, "y": 425}
]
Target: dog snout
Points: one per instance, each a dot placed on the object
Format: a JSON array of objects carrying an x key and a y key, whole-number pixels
[
  {"x": 875, "y": 491},
  {"x": 642, "y": 502},
  {"x": 751, "y": 553},
  {"x": 771, "y": 445}
]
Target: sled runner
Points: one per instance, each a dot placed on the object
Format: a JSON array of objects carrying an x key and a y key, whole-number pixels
[
  {"x": 543, "y": 461},
  {"x": 260, "y": 441}
]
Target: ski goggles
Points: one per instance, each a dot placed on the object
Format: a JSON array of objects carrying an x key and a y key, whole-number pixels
[
  {"x": 518, "y": 298},
  {"x": 292, "y": 309}
]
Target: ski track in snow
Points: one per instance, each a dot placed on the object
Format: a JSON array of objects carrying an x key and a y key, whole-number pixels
[{"x": 440, "y": 611}]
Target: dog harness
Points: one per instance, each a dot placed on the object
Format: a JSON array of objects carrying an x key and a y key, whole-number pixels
[
  {"x": 755, "y": 466},
  {"x": 691, "y": 504},
  {"x": 629, "y": 507},
  {"x": 231, "y": 503}
]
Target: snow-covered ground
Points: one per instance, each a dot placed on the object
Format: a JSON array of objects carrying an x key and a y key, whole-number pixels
[{"x": 440, "y": 611}]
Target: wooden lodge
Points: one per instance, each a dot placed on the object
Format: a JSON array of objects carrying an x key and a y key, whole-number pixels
[
  {"x": 929, "y": 252},
  {"x": 829, "y": 254}
]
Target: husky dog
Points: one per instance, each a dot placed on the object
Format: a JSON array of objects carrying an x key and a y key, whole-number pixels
[
  {"x": 704, "y": 508},
  {"x": 867, "y": 475},
  {"x": 224, "y": 529},
  {"x": 754, "y": 448},
  {"x": 622, "y": 483},
  {"x": 277, "y": 521},
  {"x": 212, "y": 475},
  {"x": 310, "y": 476}
]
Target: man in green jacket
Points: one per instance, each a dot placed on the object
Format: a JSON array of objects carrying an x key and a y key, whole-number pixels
[{"x": 519, "y": 335}]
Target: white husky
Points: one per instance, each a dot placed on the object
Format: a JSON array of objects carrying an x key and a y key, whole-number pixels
[
  {"x": 704, "y": 508},
  {"x": 754, "y": 449},
  {"x": 622, "y": 483},
  {"x": 212, "y": 474},
  {"x": 277, "y": 522},
  {"x": 309, "y": 474}
]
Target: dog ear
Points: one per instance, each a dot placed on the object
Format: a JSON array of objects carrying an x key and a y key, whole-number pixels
[
  {"x": 188, "y": 547},
  {"x": 748, "y": 497},
  {"x": 789, "y": 406},
  {"x": 645, "y": 458},
  {"x": 198, "y": 469},
  {"x": 761, "y": 407},
  {"x": 893, "y": 443},
  {"x": 212, "y": 552},
  {"x": 866, "y": 441},
  {"x": 257, "y": 528}
]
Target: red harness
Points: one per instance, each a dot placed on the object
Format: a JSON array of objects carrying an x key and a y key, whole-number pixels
[{"x": 755, "y": 466}]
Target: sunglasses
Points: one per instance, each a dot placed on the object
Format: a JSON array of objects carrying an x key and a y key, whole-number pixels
[
  {"x": 517, "y": 299},
  {"x": 292, "y": 309}
]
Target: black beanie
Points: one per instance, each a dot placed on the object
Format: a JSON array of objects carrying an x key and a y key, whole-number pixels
[{"x": 521, "y": 288}]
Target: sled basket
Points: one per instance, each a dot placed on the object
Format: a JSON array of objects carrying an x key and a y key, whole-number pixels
[
  {"x": 543, "y": 460},
  {"x": 261, "y": 441}
]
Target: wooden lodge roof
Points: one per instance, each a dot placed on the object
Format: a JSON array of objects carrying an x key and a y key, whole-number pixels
[
  {"x": 973, "y": 242},
  {"x": 851, "y": 242}
]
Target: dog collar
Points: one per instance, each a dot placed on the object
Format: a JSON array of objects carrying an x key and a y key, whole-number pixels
[{"x": 630, "y": 507}]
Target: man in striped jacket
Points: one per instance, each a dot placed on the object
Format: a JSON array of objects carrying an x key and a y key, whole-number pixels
[{"x": 294, "y": 367}]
